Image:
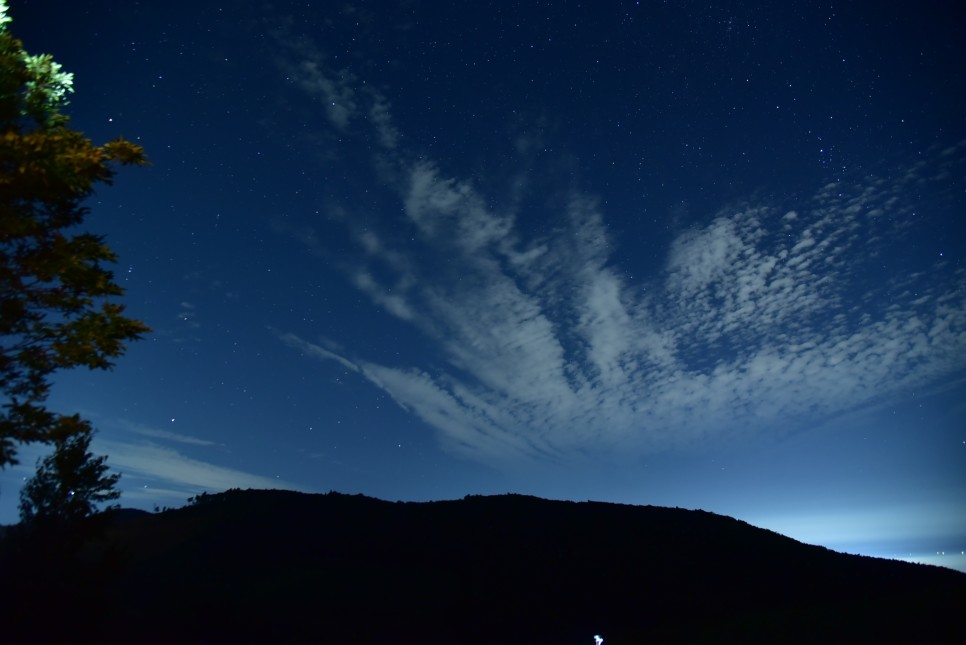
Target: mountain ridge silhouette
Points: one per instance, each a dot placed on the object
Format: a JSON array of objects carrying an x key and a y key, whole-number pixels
[{"x": 280, "y": 566}]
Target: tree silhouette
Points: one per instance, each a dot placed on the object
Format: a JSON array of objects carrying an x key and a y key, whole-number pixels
[
  {"x": 69, "y": 483},
  {"x": 56, "y": 308}
]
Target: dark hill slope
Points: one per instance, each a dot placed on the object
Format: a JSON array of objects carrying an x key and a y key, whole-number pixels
[{"x": 274, "y": 566}]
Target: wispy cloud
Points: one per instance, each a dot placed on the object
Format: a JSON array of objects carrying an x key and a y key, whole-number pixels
[
  {"x": 337, "y": 98},
  {"x": 150, "y": 471},
  {"x": 762, "y": 317},
  {"x": 157, "y": 433}
]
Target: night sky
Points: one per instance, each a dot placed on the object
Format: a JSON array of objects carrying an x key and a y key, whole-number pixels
[{"x": 707, "y": 255}]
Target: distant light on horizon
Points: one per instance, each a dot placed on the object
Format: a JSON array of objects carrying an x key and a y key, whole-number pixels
[{"x": 945, "y": 559}]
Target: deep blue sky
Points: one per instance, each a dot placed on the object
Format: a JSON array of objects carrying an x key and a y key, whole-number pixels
[{"x": 655, "y": 253}]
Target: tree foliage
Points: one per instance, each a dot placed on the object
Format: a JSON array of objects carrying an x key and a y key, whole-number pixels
[
  {"x": 57, "y": 307},
  {"x": 69, "y": 483}
]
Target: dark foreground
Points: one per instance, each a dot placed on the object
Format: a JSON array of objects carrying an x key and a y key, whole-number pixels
[{"x": 281, "y": 567}]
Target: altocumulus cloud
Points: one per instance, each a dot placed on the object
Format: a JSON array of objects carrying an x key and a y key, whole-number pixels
[{"x": 764, "y": 317}]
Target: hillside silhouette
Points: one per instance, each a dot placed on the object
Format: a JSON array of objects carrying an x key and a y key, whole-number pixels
[{"x": 278, "y": 566}]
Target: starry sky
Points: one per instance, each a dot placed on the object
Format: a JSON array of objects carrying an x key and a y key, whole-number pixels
[{"x": 707, "y": 255}]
